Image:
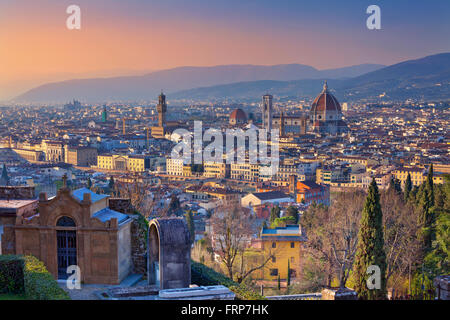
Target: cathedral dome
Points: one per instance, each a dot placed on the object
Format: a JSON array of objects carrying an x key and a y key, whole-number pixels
[
  {"x": 325, "y": 102},
  {"x": 238, "y": 116}
]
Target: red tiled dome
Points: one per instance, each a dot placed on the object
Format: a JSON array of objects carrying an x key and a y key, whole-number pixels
[
  {"x": 238, "y": 115},
  {"x": 325, "y": 101}
]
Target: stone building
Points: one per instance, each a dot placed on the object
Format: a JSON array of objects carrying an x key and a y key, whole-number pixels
[
  {"x": 74, "y": 228},
  {"x": 81, "y": 156}
]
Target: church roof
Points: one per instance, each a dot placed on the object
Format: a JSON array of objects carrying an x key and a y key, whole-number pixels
[
  {"x": 238, "y": 114},
  {"x": 325, "y": 101},
  {"x": 78, "y": 194}
]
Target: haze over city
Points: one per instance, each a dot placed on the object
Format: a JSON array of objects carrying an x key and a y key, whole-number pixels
[{"x": 136, "y": 37}]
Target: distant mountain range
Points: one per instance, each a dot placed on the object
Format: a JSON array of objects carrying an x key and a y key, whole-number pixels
[
  {"x": 426, "y": 78},
  {"x": 146, "y": 87}
]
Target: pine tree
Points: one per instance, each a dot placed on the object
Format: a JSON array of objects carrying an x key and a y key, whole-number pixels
[
  {"x": 89, "y": 183},
  {"x": 288, "y": 273},
  {"x": 279, "y": 282},
  {"x": 427, "y": 214},
  {"x": 292, "y": 211},
  {"x": 274, "y": 213},
  {"x": 408, "y": 187},
  {"x": 191, "y": 226},
  {"x": 370, "y": 249},
  {"x": 5, "y": 176},
  {"x": 111, "y": 183}
]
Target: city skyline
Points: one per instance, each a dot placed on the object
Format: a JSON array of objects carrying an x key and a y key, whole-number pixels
[{"x": 117, "y": 39}]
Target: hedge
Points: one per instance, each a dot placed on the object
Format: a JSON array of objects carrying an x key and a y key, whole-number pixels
[
  {"x": 39, "y": 283},
  {"x": 26, "y": 274},
  {"x": 11, "y": 274},
  {"x": 205, "y": 276}
]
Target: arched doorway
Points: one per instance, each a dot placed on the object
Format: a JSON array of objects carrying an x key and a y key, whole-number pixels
[
  {"x": 66, "y": 240},
  {"x": 153, "y": 259}
]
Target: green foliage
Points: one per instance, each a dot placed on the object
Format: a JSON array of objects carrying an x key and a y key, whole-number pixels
[
  {"x": 28, "y": 275},
  {"x": 204, "y": 276},
  {"x": 370, "y": 250},
  {"x": 281, "y": 222},
  {"x": 274, "y": 213},
  {"x": 289, "y": 273},
  {"x": 4, "y": 175},
  {"x": 408, "y": 187},
  {"x": 190, "y": 224},
  {"x": 292, "y": 211},
  {"x": 39, "y": 283},
  {"x": 111, "y": 183},
  {"x": 279, "y": 282},
  {"x": 11, "y": 274}
]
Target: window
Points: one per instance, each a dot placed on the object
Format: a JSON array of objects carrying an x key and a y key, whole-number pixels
[
  {"x": 65, "y": 222},
  {"x": 292, "y": 244},
  {"x": 274, "y": 259},
  {"x": 273, "y": 272},
  {"x": 274, "y": 245}
]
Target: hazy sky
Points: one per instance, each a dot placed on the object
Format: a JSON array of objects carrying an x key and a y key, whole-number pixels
[{"x": 120, "y": 37}]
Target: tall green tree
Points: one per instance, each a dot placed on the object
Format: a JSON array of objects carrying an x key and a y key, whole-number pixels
[
  {"x": 427, "y": 219},
  {"x": 5, "y": 176},
  {"x": 190, "y": 223},
  {"x": 111, "y": 183},
  {"x": 408, "y": 187},
  {"x": 89, "y": 182},
  {"x": 292, "y": 211},
  {"x": 370, "y": 249},
  {"x": 288, "y": 273},
  {"x": 274, "y": 213}
]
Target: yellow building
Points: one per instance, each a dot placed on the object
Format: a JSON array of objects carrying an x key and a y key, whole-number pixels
[
  {"x": 285, "y": 243},
  {"x": 418, "y": 176},
  {"x": 123, "y": 163},
  {"x": 216, "y": 170}
]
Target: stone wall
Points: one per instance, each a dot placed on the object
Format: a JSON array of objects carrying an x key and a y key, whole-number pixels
[{"x": 17, "y": 193}]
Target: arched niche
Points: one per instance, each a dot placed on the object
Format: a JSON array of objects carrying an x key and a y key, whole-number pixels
[{"x": 169, "y": 253}]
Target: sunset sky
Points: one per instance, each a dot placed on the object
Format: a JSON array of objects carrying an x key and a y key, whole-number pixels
[{"x": 136, "y": 36}]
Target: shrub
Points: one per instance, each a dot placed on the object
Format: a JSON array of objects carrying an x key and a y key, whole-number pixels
[
  {"x": 39, "y": 283},
  {"x": 11, "y": 274},
  {"x": 204, "y": 276}
]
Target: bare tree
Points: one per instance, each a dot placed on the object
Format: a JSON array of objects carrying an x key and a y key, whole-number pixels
[
  {"x": 332, "y": 234},
  {"x": 138, "y": 193},
  {"x": 232, "y": 230},
  {"x": 400, "y": 229}
]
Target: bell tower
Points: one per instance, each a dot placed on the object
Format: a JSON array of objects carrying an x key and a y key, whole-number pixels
[{"x": 161, "y": 108}]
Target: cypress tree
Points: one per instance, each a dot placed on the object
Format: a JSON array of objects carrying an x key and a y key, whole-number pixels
[
  {"x": 370, "y": 249},
  {"x": 191, "y": 226},
  {"x": 288, "y": 274},
  {"x": 274, "y": 213},
  {"x": 408, "y": 187},
  {"x": 292, "y": 211},
  {"x": 89, "y": 183},
  {"x": 111, "y": 183},
  {"x": 5, "y": 176},
  {"x": 427, "y": 216}
]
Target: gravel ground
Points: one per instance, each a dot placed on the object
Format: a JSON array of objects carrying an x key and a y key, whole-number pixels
[{"x": 86, "y": 292}]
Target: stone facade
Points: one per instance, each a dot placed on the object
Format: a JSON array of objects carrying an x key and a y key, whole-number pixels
[{"x": 102, "y": 236}]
